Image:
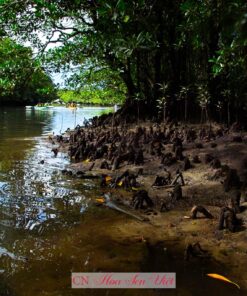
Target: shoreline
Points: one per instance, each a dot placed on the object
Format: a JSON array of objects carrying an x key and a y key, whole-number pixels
[{"x": 201, "y": 188}]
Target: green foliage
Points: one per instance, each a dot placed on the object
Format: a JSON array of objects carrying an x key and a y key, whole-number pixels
[
  {"x": 90, "y": 97},
  {"x": 162, "y": 102},
  {"x": 107, "y": 32},
  {"x": 94, "y": 85},
  {"x": 15, "y": 66},
  {"x": 21, "y": 77},
  {"x": 134, "y": 47},
  {"x": 203, "y": 95}
]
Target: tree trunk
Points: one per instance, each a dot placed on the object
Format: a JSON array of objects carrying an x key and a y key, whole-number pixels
[
  {"x": 228, "y": 113},
  {"x": 185, "y": 109}
]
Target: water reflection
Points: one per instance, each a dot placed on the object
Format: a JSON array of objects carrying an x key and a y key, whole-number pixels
[
  {"x": 35, "y": 199},
  {"x": 30, "y": 175},
  {"x": 49, "y": 226}
]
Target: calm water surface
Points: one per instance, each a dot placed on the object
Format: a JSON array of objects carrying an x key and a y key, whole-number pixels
[{"x": 50, "y": 226}]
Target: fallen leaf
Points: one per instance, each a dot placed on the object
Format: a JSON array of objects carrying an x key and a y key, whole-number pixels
[
  {"x": 101, "y": 200},
  {"x": 87, "y": 160},
  {"x": 222, "y": 278},
  {"x": 134, "y": 188},
  {"x": 108, "y": 178}
]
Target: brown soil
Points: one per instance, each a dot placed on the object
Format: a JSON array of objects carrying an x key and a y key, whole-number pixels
[{"x": 200, "y": 189}]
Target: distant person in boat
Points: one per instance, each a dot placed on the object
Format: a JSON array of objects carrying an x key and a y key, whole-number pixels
[{"x": 72, "y": 105}]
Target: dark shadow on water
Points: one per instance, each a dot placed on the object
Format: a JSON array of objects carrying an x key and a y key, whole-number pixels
[{"x": 191, "y": 276}]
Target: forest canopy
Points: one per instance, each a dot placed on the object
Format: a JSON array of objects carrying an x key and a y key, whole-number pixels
[
  {"x": 100, "y": 86},
  {"x": 22, "y": 79},
  {"x": 178, "y": 58}
]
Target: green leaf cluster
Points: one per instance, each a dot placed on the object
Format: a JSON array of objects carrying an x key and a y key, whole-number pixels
[{"x": 22, "y": 80}]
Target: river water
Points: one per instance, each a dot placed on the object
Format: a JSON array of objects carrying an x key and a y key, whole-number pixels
[{"x": 50, "y": 225}]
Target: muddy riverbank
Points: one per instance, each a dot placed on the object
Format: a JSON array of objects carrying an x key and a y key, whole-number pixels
[{"x": 205, "y": 156}]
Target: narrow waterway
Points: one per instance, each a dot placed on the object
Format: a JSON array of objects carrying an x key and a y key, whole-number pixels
[{"x": 50, "y": 225}]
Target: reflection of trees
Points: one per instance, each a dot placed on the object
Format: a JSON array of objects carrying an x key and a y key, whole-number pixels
[
  {"x": 18, "y": 127},
  {"x": 20, "y": 152},
  {"x": 31, "y": 187},
  {"x": 22, "y": 123}
]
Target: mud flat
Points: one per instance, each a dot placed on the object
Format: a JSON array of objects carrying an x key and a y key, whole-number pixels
[{"x": 212, "y": 160}]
